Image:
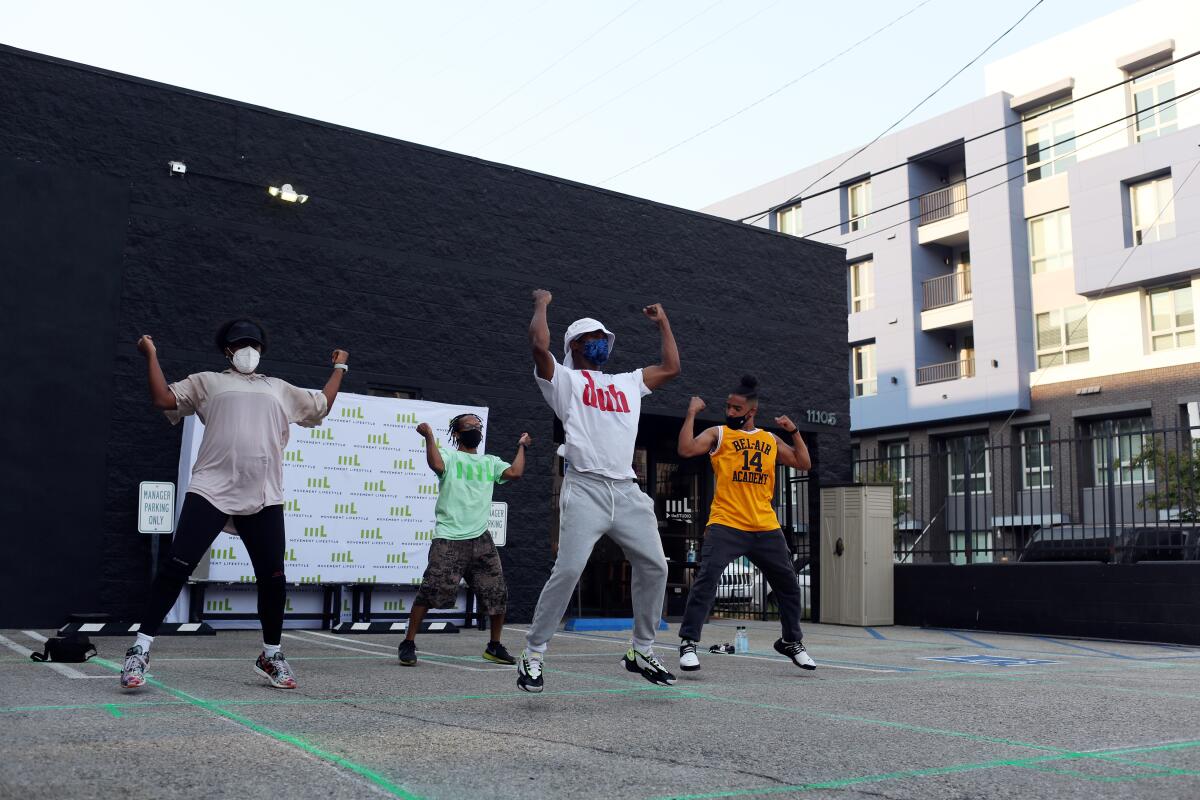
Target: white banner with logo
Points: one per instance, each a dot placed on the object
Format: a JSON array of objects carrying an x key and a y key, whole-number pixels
[{"x": 359, "y": 495}]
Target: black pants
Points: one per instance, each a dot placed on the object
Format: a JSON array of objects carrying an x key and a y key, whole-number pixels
[
  {"x": 199, "y": 523},
  {"x": 766, "y": 550}
]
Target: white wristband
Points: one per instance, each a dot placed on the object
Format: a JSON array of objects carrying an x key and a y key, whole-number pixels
[{"x": 343, "y": 367}]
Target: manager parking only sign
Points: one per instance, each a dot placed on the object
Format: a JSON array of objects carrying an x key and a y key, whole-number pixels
[{"x": 156, "y": 507}]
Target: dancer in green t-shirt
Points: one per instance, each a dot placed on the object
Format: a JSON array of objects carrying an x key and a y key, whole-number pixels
[{"x": 462, "y": 546}]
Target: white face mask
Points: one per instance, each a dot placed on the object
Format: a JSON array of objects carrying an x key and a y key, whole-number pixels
[{"x": 245, "y": 360}]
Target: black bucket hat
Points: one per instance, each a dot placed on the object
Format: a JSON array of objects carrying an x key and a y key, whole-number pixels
[{"x": 241, "y": 330}]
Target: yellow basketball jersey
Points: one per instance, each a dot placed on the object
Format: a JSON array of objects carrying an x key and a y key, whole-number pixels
[{"x": 744, "y": 465}]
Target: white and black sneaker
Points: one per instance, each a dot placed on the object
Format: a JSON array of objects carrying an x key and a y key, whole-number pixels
[
  {"x": 529, "y": 672},
  {"x": 688, "y": 660},
  {"x": 648, "y": 666},
  {"x": 796, "y": 652}
]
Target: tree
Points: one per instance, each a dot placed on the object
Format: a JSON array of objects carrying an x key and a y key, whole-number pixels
[{"x": 1177, "y": 484}]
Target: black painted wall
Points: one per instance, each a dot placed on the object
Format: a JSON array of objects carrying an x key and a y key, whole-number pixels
[
  {"x": 1156, "y": 602},
  {"x": 417, "y": 261}
]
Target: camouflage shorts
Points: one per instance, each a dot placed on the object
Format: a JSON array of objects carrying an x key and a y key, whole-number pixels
[{"x": 476, "y": 560}]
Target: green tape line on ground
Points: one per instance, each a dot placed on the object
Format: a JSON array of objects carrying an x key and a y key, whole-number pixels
[{"x": 358, "y": 769}]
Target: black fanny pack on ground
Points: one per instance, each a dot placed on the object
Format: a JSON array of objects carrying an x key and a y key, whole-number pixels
[{"x": 72, "y": 649}]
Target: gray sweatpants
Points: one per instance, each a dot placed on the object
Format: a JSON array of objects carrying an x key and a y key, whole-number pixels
[{"x": 590, "y": 507}]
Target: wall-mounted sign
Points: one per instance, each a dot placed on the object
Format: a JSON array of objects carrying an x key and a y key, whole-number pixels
[
  {"x": 156, "y": 507},
  {"x": 498, "y": 523}
]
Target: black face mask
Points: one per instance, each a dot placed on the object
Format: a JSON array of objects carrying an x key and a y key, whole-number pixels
[
  {"x": 737, "y": 423},
  {"x": 470, "y": 438}
]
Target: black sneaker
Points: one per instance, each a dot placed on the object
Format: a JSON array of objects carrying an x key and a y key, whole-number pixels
[
  {"x": 688, "y": 660},
  {"x": 796, "y": 652},
  {"x": 497, "y": 654},
  {"x": 648, "y": 666},
  {"x": 408, "y": 653},
  {"x": 529, "y": 672}
]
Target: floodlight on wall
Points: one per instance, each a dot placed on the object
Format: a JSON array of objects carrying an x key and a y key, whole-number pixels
[
  {"x": 177, "y": 168},
  {"x": 287, "y": 194}
]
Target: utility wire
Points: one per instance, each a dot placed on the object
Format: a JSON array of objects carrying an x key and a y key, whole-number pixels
[
  {"x": 608, "y": 71},
  {"x": 646, "y": 80},
  {"x": 798, "y": 198},
  {"x": 769, "y": 95},
  {"x": 551, "y": 66}
]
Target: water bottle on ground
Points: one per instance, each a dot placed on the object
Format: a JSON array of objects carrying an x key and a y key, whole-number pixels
[{"x": 741, "y": 642}]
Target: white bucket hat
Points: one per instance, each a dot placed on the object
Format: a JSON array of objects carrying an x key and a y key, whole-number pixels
[{"x": 578, "y": 328}]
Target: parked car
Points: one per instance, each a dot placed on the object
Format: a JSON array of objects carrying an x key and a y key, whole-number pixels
[
  {"x": 742, "y": 582},
  {"x": 1129, "y": 546}
]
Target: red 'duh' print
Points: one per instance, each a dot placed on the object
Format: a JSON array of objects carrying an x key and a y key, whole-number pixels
[{"x": 604, "y": 399}]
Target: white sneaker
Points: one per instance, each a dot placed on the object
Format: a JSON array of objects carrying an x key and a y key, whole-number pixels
[
  {"x": 529, "y": 672},
  {"x": 688, "y": 660},
  {"x": 796, "y": 652}
]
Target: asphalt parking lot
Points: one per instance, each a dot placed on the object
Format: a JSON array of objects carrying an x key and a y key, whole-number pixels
[{"x": 882, "y": 716}]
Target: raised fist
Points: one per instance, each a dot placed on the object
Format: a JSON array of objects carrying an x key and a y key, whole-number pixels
[
  {"x": 655, "y": 312},
  {"x": 340, "y": 356},
  {"x": 542, "y": 297},
  {"x": 424, "y": 429},
  {"x": 525, "y": 439},
  {"x": 145, "y": 346},
  {"x": 786, "y": 423},
  {"x": 696, "y": 405}
]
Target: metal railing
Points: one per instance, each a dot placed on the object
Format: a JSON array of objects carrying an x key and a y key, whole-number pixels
[
  {"x": 1106, "y": 492},
  {"x": 947, "y": 371},
  {"x": 946, "y": 290},
  {"x": 943, "y": 203}
]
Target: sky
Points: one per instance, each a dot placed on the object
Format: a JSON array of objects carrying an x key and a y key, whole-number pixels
[{"x": 680, "y": 102}]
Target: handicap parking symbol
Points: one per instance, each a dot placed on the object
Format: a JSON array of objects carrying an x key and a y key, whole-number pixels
[{"x": 990, "y": 661}]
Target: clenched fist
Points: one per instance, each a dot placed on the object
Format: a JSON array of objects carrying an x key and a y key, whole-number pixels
[
  {"x": 696, "y": 405},
  {"x": 145, "y": 346},
  {"x": 424, "y": 429}
]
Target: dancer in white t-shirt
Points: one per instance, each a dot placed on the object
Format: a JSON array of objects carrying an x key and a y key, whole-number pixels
[{"x": 600, "y": 493}]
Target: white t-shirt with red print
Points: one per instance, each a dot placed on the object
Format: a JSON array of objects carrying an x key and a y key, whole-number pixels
[{"x": 599, "y": 414}]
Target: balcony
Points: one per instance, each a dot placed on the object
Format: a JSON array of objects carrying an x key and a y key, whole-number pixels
[
  {"x": 947, "y": 371},
  {"x": 943, "y": 216},
  {"x": 945, "y": 301}
]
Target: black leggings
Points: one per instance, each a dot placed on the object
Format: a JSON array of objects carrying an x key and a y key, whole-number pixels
[{"x": 199, "y": 523}]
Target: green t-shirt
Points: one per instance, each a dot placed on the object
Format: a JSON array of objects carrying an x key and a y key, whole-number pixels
[{"x": 465, "y": 495}]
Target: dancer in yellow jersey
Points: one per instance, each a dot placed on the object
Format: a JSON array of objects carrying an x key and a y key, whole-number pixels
[{"x": 742, "y": 521}]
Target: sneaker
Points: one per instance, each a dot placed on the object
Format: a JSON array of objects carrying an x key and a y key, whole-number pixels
[
  {"x": 796, "y": 652},
  {"x": 498, "y": 654},
  {"x": 133, "y": 674},
  {"x": 688, "y": 660},
  {"x": 529, "y": 672},
  {"x": 408, "y": 653},
  {"x": 276, "y": 670},
  {"x": 649, "y": 666}
]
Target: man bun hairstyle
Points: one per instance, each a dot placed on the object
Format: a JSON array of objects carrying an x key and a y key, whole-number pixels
[{"x": 747, "y": 387}]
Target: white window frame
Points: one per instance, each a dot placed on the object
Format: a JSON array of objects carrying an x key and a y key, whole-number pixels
[
  {"x": 1152, "y": 224},
  {"x": 959, "y": 478},
  {"x": 1175, "y": 334},
  {"x": 896, "y": 455},
  {"x": 981, "y": 551},
  {"x": 867, "y": 383},
  {"x": 790, "y": 220},
  {"x": 858, "y": 202},
  {"x": 1048, "y": 128},
  {"x": 1035, "y": 439},
  {"x": 1160, "y": 86},
  {"x": 1072, "y": 346},
  {"x": 1127, "y": 438},
  {"x": 1052, "y": 249},
  {"x": 862, "y": 285}
]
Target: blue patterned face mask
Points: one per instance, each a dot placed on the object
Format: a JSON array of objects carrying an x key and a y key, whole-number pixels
[{"x": 596, "y": 351}]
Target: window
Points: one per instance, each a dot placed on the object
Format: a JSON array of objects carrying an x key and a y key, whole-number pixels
[
  {"x": 1172, "y": 319},
  {"x": 973, "y": 452},
  {"x": 898, "y": 467},
  {"x": 1062, "y": 337},
  {"x": 1050, "y": 241},
  {"x": 981, "y": 547},
  {"x": 1035, "y": 458},
  {"x": 862, "y": 366},
  {"x": 1147, "y": 91},
  {"x": 1119, "y": 443},
  {"x": 859, "y": 195},
  {"x": 789, "y": 221},
  {"x": 862, "y": 286},
  {"x": 1049, "y": 141},
  {"x": 1152, "y": 210},
  {"x": 856, "y": 462}
]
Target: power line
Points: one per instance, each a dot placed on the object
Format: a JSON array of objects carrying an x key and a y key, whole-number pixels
[
  {"x": 1001, "y": 165},
  {"x": 927, "y": 97},
  {"x": 797, "y": 198},
  {"x": 769, "y": 95},
  {"x": 643, "y": 82},
  {"x": 554, "y": 64},
  {"x": 608, "y": 71},
  {"x": 1020, "y": 174}
]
